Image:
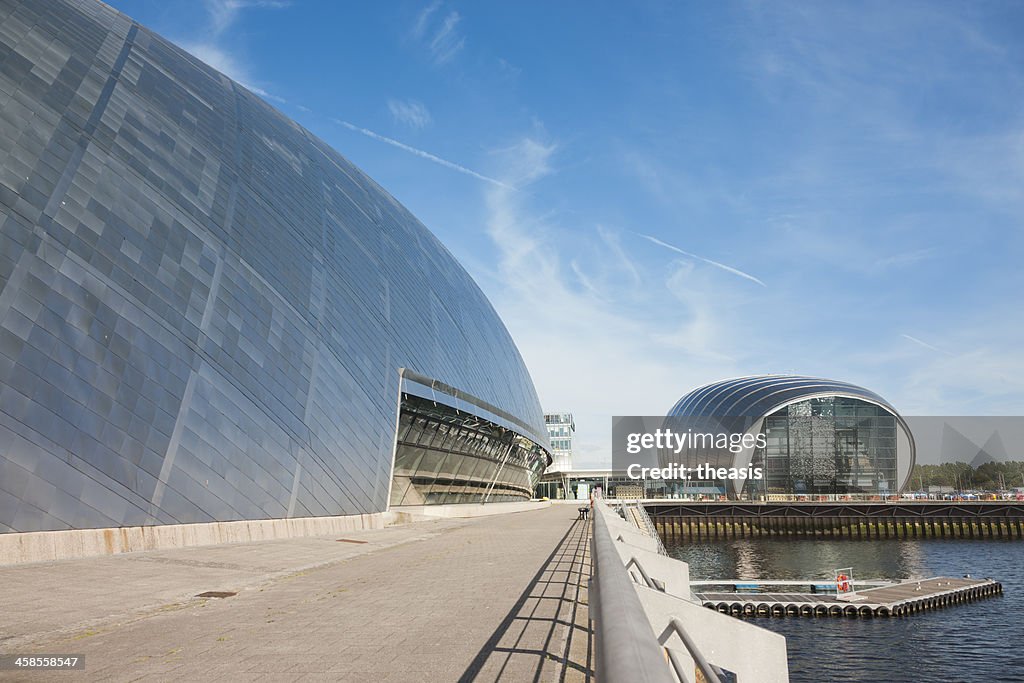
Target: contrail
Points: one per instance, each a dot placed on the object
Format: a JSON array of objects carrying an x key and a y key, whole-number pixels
[
  {"x": 421, "y": 153},
  {"x": 925, "y": 344},
  {"x": 716, "y": 264}
]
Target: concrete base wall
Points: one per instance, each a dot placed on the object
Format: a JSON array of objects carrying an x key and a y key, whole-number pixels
[
  {"x": 47, "y": 546},
  {"x": 424, "y": 512}
]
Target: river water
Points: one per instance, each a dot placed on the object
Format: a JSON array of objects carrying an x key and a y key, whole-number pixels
[{"x": 979, "y": 641}]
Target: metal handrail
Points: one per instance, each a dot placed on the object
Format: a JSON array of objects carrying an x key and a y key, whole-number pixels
[
  {"x": 623, "y": 653},
  {"x": 628, "y": 648},
  {"x": 627, "y": 652},
  {"x": 676, "y": 626},
  {"x": 633, "y": 562},
  {"x": 651, "y": 529}
]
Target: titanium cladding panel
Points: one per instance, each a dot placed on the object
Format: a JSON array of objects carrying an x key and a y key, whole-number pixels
[{"x": 203, "y": 307}]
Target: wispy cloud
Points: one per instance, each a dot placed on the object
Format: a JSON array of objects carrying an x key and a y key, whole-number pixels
[
  {"x": 925, "y": 344},
  {"x": 622, "y": 259},
  {"x": 906, "y": 258},
  {"x": 447, "y": 41},
  {"x": 265, "y": 95},
  {"x": 223, "y": 13},
  {"x": 210, "y": 48},
  {"x": 508, "y": 69},
  {"x": 570, "y": 304},
  {"x": 860, "y": 64},
  {"x": 602, "y": 267},
  {"x": 228, "y": 64},
  {"x": 716, "y": 264},
  {"x": 440, "y": 35},
  {"x": 422, "y": 154},
  {"x": 218, "y": 58},
  {"x": 409, "y": 112},
  {"x": 419, "y": 28},
  {"x": 583, "y": 278}
]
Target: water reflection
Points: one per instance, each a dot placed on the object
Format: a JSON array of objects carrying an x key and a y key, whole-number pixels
[
  {"x": 801, "y": 559},
  {"x": 975, "y": 642}
]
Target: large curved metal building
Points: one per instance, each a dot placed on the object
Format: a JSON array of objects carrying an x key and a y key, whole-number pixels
[
  {"x": 819, "y": 435},
  {"x": 208, "y": 314}
]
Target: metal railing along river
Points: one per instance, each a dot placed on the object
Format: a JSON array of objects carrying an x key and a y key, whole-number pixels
[{"x": 648, "y": 629}]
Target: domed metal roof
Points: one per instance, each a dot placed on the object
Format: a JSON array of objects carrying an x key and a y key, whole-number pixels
[{"x": 760, "y": 395}]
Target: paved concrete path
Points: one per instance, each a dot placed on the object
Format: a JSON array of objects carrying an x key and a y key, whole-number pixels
[{"x": 491, "y": 598}]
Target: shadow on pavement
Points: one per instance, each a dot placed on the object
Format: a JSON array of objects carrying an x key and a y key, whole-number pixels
[{"x": 546, "y": 634}]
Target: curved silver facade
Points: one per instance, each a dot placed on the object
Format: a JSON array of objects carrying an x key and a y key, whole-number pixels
[
  {"x": 203, "y": 307},
  {"x": 760, "y": 395},
  {"x": 822, "y": 435}
]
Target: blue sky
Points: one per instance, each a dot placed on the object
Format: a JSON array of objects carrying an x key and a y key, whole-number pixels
[{"x": 659, "y": 198}]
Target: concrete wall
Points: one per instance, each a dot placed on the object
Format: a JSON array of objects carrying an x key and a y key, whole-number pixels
[
  {"x": 48, "y": 546},
  {"x": 752, "y": 653},
  {"x": 417, "y": 513}
]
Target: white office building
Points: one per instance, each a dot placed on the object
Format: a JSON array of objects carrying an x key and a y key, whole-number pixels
[{"x": 560, "y": 432}]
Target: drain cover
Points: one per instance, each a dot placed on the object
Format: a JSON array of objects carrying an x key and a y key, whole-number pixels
[
  {"x": 349, "y": 540},
  {"x": 216, "y": 594}
]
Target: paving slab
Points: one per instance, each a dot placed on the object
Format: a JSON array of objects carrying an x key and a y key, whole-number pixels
[{"x": 489, "y": 598}]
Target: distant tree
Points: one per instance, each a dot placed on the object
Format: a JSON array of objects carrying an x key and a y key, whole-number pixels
[{"x": 990, "y": 476}]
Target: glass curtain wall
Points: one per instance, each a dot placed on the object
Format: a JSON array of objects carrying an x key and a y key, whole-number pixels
[
  {"x": 444, "y": 455},
  {"x": 829, "y": 445}
]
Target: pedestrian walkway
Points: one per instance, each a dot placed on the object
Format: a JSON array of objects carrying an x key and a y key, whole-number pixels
[
  {"x": 546, "y": 635},
  {"x": 484, "y": 599}
]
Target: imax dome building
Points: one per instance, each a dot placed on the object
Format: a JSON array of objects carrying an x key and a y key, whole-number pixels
[
  {"x": 207, "y": 314},
  {"x": 819, "y": 436}
]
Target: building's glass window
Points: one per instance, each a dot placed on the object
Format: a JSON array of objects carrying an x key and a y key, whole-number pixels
[
  {"x": 560, "y": 433},
  {"x": 447, "y": 456},
  {"x": 828, "y": 445}
]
